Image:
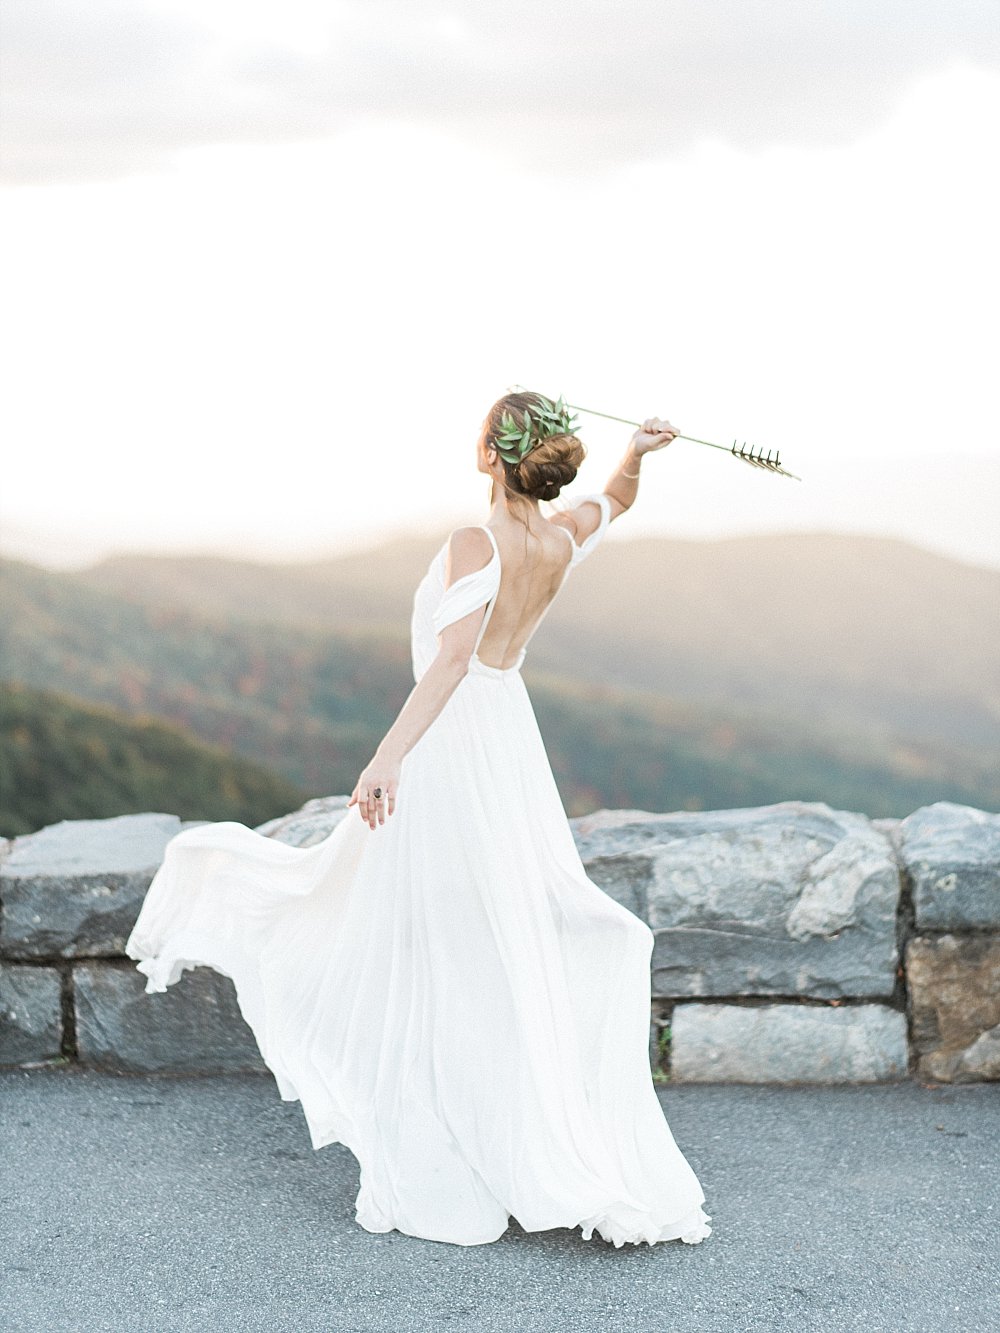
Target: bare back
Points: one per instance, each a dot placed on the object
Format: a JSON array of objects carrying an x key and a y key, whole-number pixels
[{"x": 533, "y": 567}]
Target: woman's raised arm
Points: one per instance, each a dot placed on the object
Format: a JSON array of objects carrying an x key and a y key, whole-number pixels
[{"x": 622, "y": 486}]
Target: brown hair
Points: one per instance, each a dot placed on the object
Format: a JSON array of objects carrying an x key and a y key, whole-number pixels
[{"x": 548, "y": 466}]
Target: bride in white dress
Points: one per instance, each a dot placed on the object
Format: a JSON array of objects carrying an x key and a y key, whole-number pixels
[{"x": 438, "y": 982}]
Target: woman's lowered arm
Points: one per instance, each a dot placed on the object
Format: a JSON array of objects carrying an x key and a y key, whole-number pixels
[{"x": 429, "y": 695}]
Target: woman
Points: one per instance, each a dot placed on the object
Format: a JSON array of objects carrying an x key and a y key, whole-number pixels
[{"x": 439, "y": 982}]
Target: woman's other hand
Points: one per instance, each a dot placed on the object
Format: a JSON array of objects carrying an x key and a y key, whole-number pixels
[
  {"x": 654, "y": 433},
  {"x": 382, "y": 774}
]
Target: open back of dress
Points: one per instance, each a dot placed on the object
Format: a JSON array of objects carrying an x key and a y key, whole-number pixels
[
  {"x": 436, "y": 606},
  {"x": 448, "y": 994}
]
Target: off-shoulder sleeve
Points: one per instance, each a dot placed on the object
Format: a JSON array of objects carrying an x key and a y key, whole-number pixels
[
  {"x": 600, "y": 498},
  {"x": 467, "y": 593}
]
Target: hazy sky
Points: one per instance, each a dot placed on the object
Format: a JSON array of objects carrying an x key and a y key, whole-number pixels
[{"x": 267, "y": 265}]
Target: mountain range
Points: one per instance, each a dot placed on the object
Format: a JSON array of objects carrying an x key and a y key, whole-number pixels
[{"x": 669, "y": 674}]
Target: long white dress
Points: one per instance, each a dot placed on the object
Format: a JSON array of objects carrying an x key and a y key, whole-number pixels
[{"x": 448, "y": 994}]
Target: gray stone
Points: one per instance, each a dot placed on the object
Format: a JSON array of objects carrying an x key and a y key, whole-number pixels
[
  {"x": 954, "y": 985},
  {"x": 194, "y": 1026},
  {"x": 625, "y": 876},
  {"x": 788, "y": 899},
  {"x": 787, "y": 1043},
  {"x": 981, "y": 1060},
  {"x": 30, "y": 1014},
  {"x": 310, "y": 824},
  {"x": 952, "y": 854},
  {"x": 74, "y": 888},
  {"x": 891, "y": 828}
]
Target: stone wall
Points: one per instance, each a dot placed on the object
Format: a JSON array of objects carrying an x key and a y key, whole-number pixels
[{"x": 794, "y": 943}]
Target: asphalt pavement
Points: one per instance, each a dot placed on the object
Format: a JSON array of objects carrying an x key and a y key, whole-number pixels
[{"x": 170, "y": 1203}]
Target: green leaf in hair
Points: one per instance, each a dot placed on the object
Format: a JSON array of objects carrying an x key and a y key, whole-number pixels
[{"x": 514, "y": 442}]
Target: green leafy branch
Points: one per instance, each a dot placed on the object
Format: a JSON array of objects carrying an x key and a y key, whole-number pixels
[{"x": 549, "y": 419}]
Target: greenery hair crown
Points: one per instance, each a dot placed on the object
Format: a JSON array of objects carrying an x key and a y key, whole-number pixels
[{"x": 550, "y": 419}]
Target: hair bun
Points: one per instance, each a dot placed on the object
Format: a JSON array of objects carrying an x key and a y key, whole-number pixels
[
  {"x": 551, "y": 462},
  {"x": 550, "y": 466}
]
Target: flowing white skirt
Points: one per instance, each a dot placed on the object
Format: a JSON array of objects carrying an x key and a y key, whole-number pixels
[{"x": 447, "y": 994}]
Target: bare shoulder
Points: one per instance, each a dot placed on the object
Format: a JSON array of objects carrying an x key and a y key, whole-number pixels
[
  {"x": 468, "y": 549},
  {"x": 583, "y": 520}
]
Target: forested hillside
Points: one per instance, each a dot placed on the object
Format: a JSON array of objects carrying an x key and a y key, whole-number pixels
[
  {"x": 61, "y": 758},
  {"x": 863, "y": 632},
  {"x": 646, "y": 696}
]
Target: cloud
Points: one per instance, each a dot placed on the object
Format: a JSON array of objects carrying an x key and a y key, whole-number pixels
[{"x": 110, "y": 88}]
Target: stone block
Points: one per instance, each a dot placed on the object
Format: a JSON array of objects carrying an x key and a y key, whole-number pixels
[
  {"x": 954, "y": 986},
  {"x": 195, "y": 1026},
  {"x": 952, "y": 855},
  {"x": 74, "y": 888},
  {"x": 787, "y": 1043},
  {"x": 310, "y": 824},
  {"x": 788, "y": 899},
  {"x": 30, "y": 1014}
]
